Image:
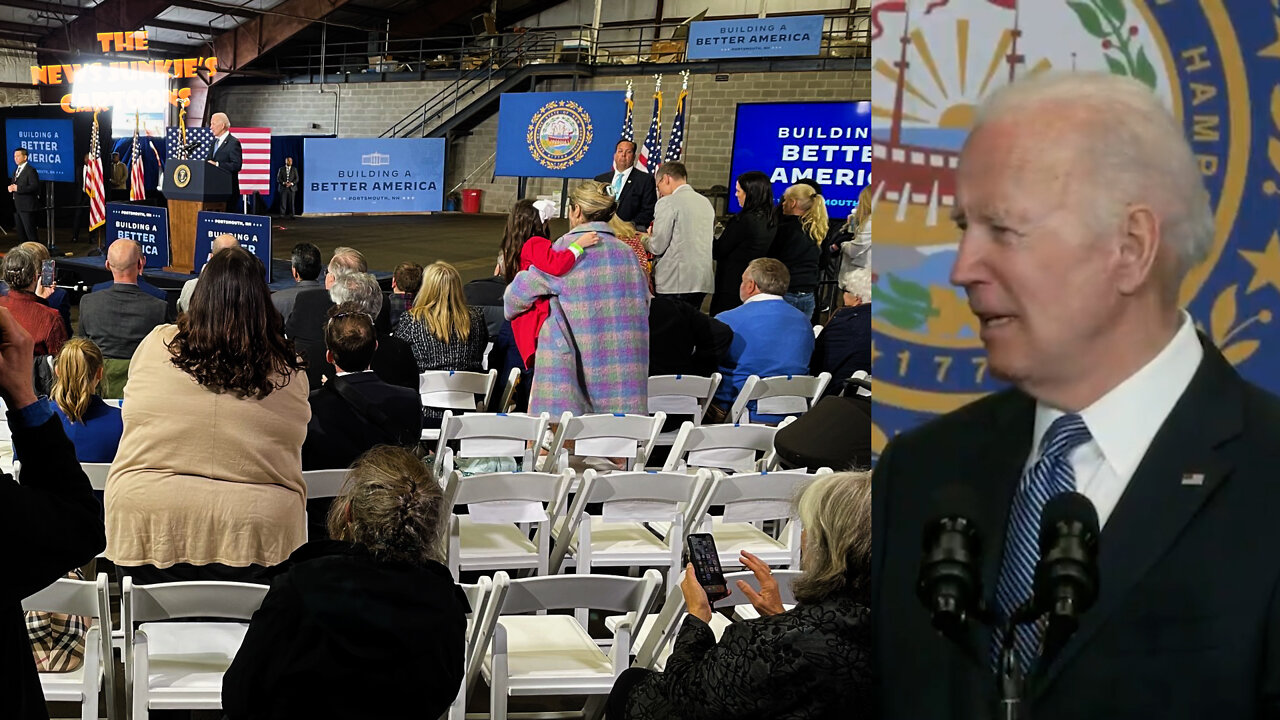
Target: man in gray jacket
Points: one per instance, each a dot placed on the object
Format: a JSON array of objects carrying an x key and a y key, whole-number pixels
[{"x": 683, "y": 230}]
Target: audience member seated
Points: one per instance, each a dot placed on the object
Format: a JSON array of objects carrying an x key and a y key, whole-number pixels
[
  {"x": 593, "y": 352},
  {"x": 443, "y": 331},
  {"x": 770, "y": 337},
  {"x": 93, "y": 426},
  {"x": 813, "y": 661},
  {"x": 221, "y": 242},
  {"x": 207, "y": 484},
  {"x": 53, "y": 509},
  {"x": 369, "y": 624},
  {"x": 683, "y": 340},
  {"x": 54, "y": 297},
  {"x": 304, "y": 265},
  {"x": 406, "y": 279},
  {"x": 43, "y": 323},
  {"x": 143, "y": 285},
  {"x": 802, "y": 227},
  {"x": 392, "y": 359},
  {"x": 844, "y": 345},
  {"x": 486, "y": 294},
  {"x": 311, "y": 311},
  {"x": 747, "y": 236},
  {"x": 117, "y": 319}
]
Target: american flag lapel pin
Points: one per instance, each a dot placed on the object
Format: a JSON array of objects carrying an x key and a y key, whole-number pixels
[{"x": 1193, "y": 479}]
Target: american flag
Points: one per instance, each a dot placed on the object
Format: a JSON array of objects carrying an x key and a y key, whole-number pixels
[
  {"x": 255, "y": 173},
  {"x": 93, "y": 185},
  {"x": 675, "y": 146},
  {"x": 628, "y": 129},
  {"x": 137, "y": 180},
  {"x": 202, "y": 136},
  {"x": 651, "y": 153}
]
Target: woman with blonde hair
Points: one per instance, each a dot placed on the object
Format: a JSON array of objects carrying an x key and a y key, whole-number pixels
[
  {"x": 593, "y": 351},
  {"x": 372, "y": 616},
  {"x": 93, "y": 426},
  {"x": 802, "y": 228},
  {"x": 813, "y": 661}
]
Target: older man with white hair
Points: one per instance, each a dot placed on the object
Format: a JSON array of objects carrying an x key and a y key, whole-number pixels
[
  {"x": 844, "y": 345},
  {"x": 225, "y": 152},
  {"x": 1082, "y": 209}
]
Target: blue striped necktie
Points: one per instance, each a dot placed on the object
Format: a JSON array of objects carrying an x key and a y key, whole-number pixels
[{"x": 1050, "y": 475}]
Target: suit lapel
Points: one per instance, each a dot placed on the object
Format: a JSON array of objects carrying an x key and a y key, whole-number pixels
[{"x": 1157, "y": 504}]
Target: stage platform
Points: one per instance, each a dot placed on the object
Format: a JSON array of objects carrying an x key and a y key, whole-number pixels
[{"x": 88, "y": 271}]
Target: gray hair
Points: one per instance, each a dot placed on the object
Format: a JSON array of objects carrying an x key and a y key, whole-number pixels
[
  {"x": 345, "y": 258},
  {"x": 769, "y": 275},
  {"x": 1134, "y": 144},
  {"x": 857, "y": 282},
  {"x": 359, "y": 288},
  {"x": 835, "y": 512},
  {"x": 21, "y": 267}
]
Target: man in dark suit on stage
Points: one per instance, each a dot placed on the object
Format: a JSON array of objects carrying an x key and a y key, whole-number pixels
[
  {"x": 226, "y": 154},
  {"x": 632, "y": 187},
  {"x": 1082, "y": 209},
  {"x": 25, "y": 188}
]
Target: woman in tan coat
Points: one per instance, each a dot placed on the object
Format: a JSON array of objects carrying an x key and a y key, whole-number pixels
[{"x": 207, "y": 483}]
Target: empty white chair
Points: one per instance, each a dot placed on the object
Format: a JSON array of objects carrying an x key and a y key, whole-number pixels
[
  {"x": 553, "y": 654},
  {"x": 735, "y": 448},
  {"x": 748, "y": 501},
  {"x": 507, "y": 403},
  {"x": 478, "y": 598},
  {"x": 489, "y": 435},
  {"x": 322, "y": 484},
  {"x": 97, "y": 473},
  {"x": 618, "y": 537},
  {"x": 605, "y": 435},
  {"x": 86, "y": 598},
  {"x": 492, "y": 535},
  {"x": 455, "y": 390},
  {"x": 778, "y": 395},
  {"x": 179, "y": 665},
  {"x": 682, "y": 395}
]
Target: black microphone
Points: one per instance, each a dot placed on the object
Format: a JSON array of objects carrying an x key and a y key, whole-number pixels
[
  {"x": 950, "y": 579},
  {"x": 1066, "y": 579}
]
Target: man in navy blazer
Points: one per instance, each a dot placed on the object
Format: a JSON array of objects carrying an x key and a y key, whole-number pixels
[
  {"x": 632, "y": 187},
  {"x": 226, "y": 153},
  {"x": 25, "y": 188}
]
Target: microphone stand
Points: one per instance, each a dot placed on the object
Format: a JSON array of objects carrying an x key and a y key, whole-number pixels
[{"x": 1010, "y": 682}]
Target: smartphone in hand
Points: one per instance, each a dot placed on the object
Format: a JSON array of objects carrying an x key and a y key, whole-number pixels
[
  {"x": 47, "y": 273},
  {"x": 700, "y": 549}
]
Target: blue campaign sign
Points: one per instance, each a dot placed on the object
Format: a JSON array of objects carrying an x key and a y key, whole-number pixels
[
  {"x": 559, "y": 134},
  {"x": 765, "y": 37},
  {"x": 828, "y": 142},
  {"x": 149, "y": 226},
  {"x": 253, "y": 232},
  {"x": 50, "y": 147},
  {"x": 373, "y": 175}
]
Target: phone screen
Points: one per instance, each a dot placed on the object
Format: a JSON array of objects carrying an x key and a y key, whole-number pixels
[
  {"x": 701, "y": 551},
  {"x": 47, "y": 273}
]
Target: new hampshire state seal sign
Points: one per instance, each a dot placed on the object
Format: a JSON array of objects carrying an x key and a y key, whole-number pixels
[{"x": 559, "y": 134}]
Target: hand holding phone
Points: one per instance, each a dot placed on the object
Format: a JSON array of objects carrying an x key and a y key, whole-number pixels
[
  {"x": 700, "y": 549},
  {"x": 47, "y": 273}
]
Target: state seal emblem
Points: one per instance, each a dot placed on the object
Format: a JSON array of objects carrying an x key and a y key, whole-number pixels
[{"x": 559, "y": 134}]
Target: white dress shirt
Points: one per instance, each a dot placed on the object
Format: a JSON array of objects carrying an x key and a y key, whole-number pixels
[
  {"x": 761, "y": 296},
  {"x": 1123, "y": 422}
]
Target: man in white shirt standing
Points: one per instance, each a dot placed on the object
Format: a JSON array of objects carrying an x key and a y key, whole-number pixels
[
  {"x": 226, "y": 153},
  {"x": 632, "y": 187},
  {"x": 1082, "y": 209},
  {"x": 683, "y": 231}
]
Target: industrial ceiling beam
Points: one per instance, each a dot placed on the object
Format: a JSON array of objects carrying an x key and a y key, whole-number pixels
[
  {"x": 182, "y": 27},
  {"x": 217, "y": 8},
  {"x": 106, "y": 16},
  {"x": 435, "y": 14},
  {"x": 241, "y": 45}
]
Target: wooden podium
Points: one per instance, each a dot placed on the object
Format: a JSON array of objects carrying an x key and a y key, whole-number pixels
[{"x": 191, "y": 186}]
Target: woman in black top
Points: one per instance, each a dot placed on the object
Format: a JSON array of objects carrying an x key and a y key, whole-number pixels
[
  {"x": 802, "y": 227},
  {"x": 747, "y": 237}
]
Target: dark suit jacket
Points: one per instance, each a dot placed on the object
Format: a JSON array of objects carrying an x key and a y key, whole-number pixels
[
  {"x": 27, "y": 198},
  {"x": 116, "y": 320},
  {"x": 337, "y": 434},
  {"x": 1187, "y": 622},
  {"x": 683, "y": 340},
  {"x": 230, "y": 158},
  {"x": 639, "y": 196},
  {"x": 843, "y": 347},
  {"x": 305, "y": 326},
  {"x": 746, "y": 236}
]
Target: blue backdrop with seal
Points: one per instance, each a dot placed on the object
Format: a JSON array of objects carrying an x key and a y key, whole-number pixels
[
  {"x": 828, "y": 142},
  {"x": 373, "y": 175},
  {"x": 50, "y": 145},
  {"x": 765, "y": 37},
  {"x": 253, "y": 232},
  {"x": 559, "y": 134},
  {"x": 149, "y": 226}
]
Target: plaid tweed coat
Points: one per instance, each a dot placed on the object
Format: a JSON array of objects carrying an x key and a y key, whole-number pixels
[{"x": 593, "y": 351}]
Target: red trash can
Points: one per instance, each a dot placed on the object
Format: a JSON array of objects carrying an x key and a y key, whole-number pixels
[{"x": 471, "y": 201}]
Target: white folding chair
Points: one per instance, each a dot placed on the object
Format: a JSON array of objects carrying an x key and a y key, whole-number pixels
[
  {"x": 513, "y": 435},
  {"x": 97, "y": 474},
  {"x": 682, "y": 395},
  {"x": 553, "y": 654},
  {"x": 734, "y": 448},
  {"x": 500, "y": 506},
  {"x": 507, "y": 403},
  {"x": 742, "y": 607},
  {"x": 817, "y": 330},
  {"x": 179, "y": 665},
  {"x": 778, "y": 395},
  {"x": 619, "y": 537},
  {"x": 749, "y": 501},
  {"x": 604, "y": 435},
  {"x": 322, "y": 484},
  {"x": 114, "y": 402},
  {"x": 455, "y": 390},
  {"x": 478, "y": 598},
  {"x": 86, "y": 598}
]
